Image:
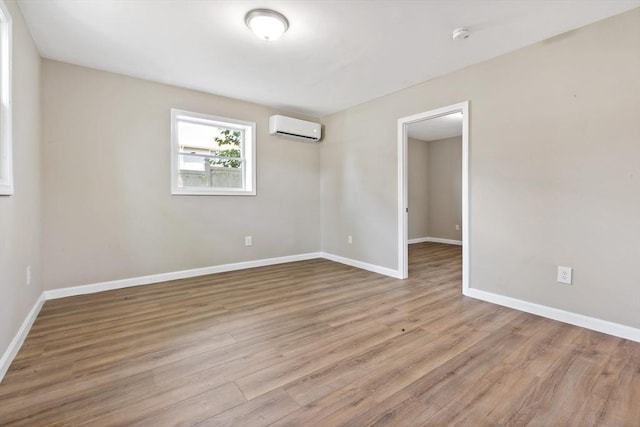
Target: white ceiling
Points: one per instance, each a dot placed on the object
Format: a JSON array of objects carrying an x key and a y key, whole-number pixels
[
  {"x": 438, "y": 128},
  {"x": 336, "y": 54}
]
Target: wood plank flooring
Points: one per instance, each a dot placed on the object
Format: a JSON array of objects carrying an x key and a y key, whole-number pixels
[{"x": 315, "y": 343}]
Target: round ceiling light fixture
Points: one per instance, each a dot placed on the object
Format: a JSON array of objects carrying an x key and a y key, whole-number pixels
[
  {"x": 266, "y": 24},
  {"x": 461, "y": 33}
]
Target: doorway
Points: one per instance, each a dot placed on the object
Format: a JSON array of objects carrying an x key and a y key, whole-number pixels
[{"x": 404, "y": 126}]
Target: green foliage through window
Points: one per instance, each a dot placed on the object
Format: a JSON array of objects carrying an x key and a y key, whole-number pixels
[{"x": 230, "y": 141}]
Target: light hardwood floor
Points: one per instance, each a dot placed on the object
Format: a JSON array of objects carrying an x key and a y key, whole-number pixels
[{"x": 315, "y": 343}]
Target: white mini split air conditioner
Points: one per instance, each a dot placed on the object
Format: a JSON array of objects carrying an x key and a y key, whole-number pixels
[{"x": 294, "y": 128}]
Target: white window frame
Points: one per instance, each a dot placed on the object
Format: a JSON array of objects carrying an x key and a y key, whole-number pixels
[
  {"x": 248, "y": 149},
  {"x": 6, "y": 159}
]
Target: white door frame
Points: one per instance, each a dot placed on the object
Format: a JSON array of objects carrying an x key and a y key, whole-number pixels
[{"x": 403, "y": 251}]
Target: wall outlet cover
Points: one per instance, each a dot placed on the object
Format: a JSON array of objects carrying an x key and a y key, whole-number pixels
[{"x": 564, "y": 274}]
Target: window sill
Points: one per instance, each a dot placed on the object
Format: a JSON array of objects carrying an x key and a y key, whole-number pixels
[{"x": 210, "y": 192}]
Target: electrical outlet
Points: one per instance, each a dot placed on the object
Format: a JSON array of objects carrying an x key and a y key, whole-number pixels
[
  {"x": 248, "y": 240},
  {"x": 28, "y": 275},
  {"x": 457, "y": 227},
  {"x": 349, "y": 239},
  {"x": 564, "y": 274}
]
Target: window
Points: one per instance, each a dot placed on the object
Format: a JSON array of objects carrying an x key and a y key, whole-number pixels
[
  {"x": 212, "y": 155},
  {"x": 6, "y": 167}
]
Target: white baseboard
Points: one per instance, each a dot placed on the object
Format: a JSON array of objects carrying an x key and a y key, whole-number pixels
[
  {"x": 599, "y": 325},
  {"x": 362, "y": 265},
  {"x": 174, "y": 275},
  {"x": 18, "y": 340},
  {"x": 434, "y": 240},
  {"x": 575, "y": 319},
  {"x": 185, "y": 274},
  {"x": 418, "y": 240}
]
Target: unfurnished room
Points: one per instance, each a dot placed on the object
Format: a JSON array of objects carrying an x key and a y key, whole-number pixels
[{"x": 320, "y": 213}]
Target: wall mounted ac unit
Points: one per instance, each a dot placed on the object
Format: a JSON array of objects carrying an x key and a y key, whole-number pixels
[{"x": 294, "y": 128}]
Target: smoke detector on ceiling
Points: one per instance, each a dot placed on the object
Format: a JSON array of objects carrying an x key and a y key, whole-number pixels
[{"x": 462, "y": 33}]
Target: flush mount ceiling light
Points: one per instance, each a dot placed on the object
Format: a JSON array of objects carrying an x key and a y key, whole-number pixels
[
  {"x": 266, "y": 24},
  {"x": 461, "y": 33}
]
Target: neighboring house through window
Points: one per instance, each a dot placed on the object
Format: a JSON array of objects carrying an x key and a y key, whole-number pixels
[
  {"x": 212, "y": 155},
  {"x": 6, "y": 163}
]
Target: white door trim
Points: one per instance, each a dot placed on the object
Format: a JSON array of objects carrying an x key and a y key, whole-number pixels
[{"x": 403, "y": 256}]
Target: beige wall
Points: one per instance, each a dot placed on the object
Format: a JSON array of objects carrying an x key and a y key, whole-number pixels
[
  {"x": 418, "y": 188},
  {"x": 445, "y": 188},
  {"x": 20, "y": 214},
  {"x": 109, "y": 212},
  {"x": 434, "y": 181},
  {"x": 554, "y": 169}
]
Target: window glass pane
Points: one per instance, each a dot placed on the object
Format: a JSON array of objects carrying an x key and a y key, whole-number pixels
[
  {"x": 207, "y": 139},
  {"x": 197, "y": 171},
  {"x": 6, "y": 175},
  {"x": 214, "y": 156}
]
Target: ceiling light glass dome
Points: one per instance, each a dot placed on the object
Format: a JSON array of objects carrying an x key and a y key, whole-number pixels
[{"x": 266, "y": 24}]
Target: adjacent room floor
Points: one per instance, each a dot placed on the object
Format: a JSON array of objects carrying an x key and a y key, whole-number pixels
[{"x": 315, "y": 343}]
